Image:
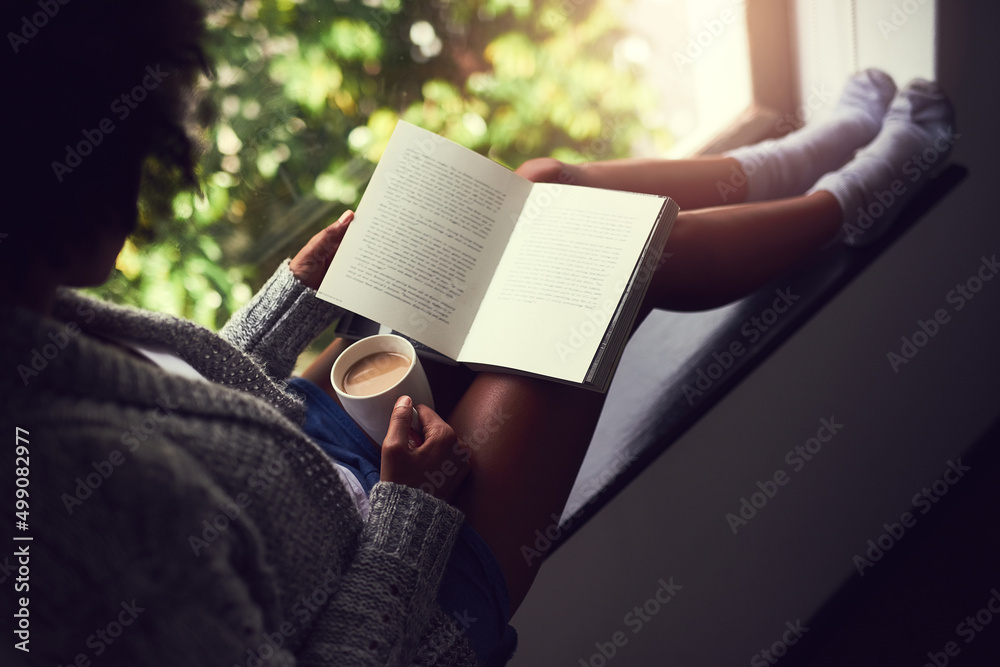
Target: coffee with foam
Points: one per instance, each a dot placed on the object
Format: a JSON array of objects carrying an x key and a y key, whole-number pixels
[{"x": 375, "y": 373}]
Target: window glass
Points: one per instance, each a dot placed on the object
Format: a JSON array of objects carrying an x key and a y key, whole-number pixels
[
  {"x": 699, "y": 64},
  {"x": 837, "y": 38},
  {"x": 304, "y": 96}
]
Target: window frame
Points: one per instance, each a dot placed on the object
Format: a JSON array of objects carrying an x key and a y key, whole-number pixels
[{"x": 774, "y": 74}]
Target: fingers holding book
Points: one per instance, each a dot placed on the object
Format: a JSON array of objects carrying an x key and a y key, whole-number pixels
[
  {"x": 549, "y": 170},
  {"x": 310, "y": 264}
]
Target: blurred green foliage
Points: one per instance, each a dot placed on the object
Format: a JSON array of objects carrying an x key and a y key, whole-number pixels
[{"x": 306, "y": 93}]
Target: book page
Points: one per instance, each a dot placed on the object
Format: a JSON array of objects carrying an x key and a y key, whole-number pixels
[
  {"x": 558, "y": 285},
  {"x": 426, "y": 238}
]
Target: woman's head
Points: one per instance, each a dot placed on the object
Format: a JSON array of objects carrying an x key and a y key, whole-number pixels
[{"x": 91, "y": 90}]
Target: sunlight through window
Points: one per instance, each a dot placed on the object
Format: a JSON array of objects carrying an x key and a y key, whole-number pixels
[{"x": 698, "y": 61}]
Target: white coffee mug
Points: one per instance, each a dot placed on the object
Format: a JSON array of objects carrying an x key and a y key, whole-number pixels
[{"x": 372, "y": 412}]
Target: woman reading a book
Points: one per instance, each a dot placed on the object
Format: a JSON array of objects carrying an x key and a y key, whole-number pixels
[
  {"x": 747, "y": 217},
  {"x": 176, "y": 493}
]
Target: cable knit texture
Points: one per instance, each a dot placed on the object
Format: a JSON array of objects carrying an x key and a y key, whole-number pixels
[{"x": 198, "y": 511}]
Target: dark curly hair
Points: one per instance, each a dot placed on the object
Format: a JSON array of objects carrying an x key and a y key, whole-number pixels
[{"x": 90, "y": 88}]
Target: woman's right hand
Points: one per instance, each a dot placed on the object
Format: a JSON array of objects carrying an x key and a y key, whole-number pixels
[{"x": 435, "y": 463}]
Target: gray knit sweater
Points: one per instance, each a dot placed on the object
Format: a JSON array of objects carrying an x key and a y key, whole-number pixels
[{"x": 182, "y": 522}]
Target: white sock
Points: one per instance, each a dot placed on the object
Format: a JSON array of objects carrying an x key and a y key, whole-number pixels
[
  {"x": 787, "y": 166},
  {"x": 916, "y": 138}
]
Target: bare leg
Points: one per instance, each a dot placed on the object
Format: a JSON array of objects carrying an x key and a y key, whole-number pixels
[
  {"x": 529, "y": 437},
  {"x": 693, "y": 183},
  {"x": 716, "y": 252},
  {"x": 716, "y": 255}
]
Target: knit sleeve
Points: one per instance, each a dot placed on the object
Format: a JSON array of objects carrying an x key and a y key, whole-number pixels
[
  {"x": 161, "y": 549},
  {"x": 279, "y": 322},
  {"x": 127, "y": 571},
  {"x": 385, "y": 611}
]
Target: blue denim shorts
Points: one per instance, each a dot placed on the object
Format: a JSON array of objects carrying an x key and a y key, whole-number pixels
[{"x": 473, "y": 591}]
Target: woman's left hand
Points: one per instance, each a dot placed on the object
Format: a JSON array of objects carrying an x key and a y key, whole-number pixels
[
  {"x": 550, "y": 170},
  {"x": 311, "y": 263}
]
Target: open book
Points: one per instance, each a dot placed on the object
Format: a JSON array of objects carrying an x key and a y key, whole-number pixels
[{"x": 494, "y": 271}]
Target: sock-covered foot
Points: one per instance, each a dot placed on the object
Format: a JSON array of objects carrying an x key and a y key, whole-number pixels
[
  {"x": 786, "y": 167},
  {"x": 916, "y": 138}
]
